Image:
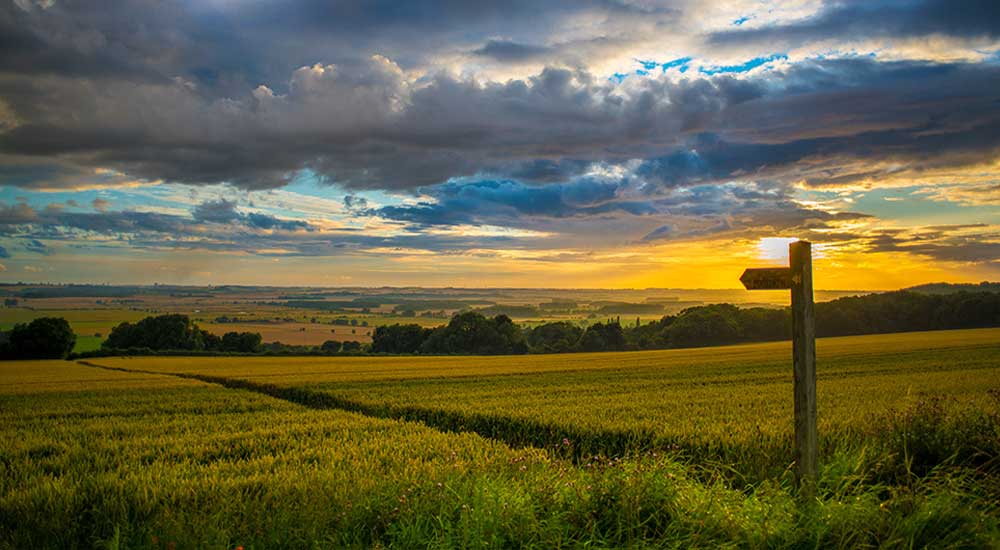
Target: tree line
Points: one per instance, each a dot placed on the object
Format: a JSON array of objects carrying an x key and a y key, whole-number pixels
[
  {"x": 472, "y": 333},
  {"x": 711, "y": 325}
]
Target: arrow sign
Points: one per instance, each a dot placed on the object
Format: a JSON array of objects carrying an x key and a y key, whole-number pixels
[{"x": 767, "y": 278}]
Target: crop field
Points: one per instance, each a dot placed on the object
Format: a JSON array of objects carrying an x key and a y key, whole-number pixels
[
  {"x": 675, "y": 448},
  {"x": 295, "y": 333},
  {"x": 93, "y": 311}
]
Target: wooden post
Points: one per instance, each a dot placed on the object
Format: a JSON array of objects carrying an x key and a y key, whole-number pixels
[
  {"x": 798, "y": 277},
  {"x": 804, "y": 365}
]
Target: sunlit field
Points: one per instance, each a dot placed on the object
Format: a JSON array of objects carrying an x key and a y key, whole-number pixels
[{"x": 676, "y": 448}]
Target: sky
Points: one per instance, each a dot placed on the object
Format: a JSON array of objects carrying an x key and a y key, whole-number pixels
[{"x": 542, "y": 143}]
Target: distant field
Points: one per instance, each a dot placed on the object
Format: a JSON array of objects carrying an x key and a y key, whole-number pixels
[
  {"x": 296, "y": 333},
  {"x": 267, "y": 310},
  {"x": 90, "y": 325},
  {"x": 682, "y": 448}
]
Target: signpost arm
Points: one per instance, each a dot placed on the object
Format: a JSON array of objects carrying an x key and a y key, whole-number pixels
[{"x": 804, "y": 365}]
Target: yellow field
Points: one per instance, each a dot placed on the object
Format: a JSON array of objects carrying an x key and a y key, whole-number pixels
[
  {"x": 735, "y": 396},
  {"x": 292, "y": 370},
  {"x": 677, "y": 448},
  {"x": 39, "y": 377}
]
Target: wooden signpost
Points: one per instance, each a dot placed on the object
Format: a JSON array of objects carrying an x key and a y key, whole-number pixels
[{"x": 798, "y": 278}]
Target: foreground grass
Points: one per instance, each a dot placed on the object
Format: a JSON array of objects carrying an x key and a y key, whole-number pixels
[{"x": 97, "y": 458}]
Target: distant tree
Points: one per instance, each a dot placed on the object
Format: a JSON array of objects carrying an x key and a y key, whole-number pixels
[
  {"x": 331, "y": 346},
  {"x": 351, "y": 346},
  {"x": 399, "y": 338},
  {"x": 558, "y": 337},
  {"x": 244, "y": 342},
  {"x": 42, "y": 338},
  {"x": 759, "y": 324},
  {"x": 472, "y": 333},
  {"x": 649, "y": 336},
  {"x": 707, "y": 325},
  {"x": 162, "y": 332},
  {"x": 603, "y": 337}
]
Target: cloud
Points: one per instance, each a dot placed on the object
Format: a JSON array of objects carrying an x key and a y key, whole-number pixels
[
  {"x": 220, "y": 211},
  {"x": 504, "y": 202},
  {"x": 224, "y": 212},
  {"x": 863, "y": 20},
  {"x": 369, "y": 126},
  {"x": 16, "y": 214},
  {"x": 956, "y": 244},
  {"x": 218, "y": 216},
  {"x": 37, "y": 247},
  {"x": 354, "y": 203},
  {"x": 493, "y": 126},
  {"x": 509, "y": 51}
]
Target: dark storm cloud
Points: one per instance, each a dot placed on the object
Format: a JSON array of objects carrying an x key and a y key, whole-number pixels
[
  {"x": 224, "y": 46},
  {"x": 370, "y": 128},
  {"x": 858, "y": 19}
]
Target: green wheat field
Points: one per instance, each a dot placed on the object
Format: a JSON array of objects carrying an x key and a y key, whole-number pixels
[{"x": 665, "y": 449}]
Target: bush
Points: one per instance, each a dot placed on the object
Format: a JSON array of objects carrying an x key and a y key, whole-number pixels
[{"x": 43, "y": 338}]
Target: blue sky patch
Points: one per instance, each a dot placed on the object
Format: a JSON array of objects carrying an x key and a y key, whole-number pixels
[{"x": 743, "y": 67}]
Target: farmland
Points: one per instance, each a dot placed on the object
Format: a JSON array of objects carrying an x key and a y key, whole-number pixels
[
  {"x": 683, "y": 447},
  {"x": 310, "y": 316}
]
